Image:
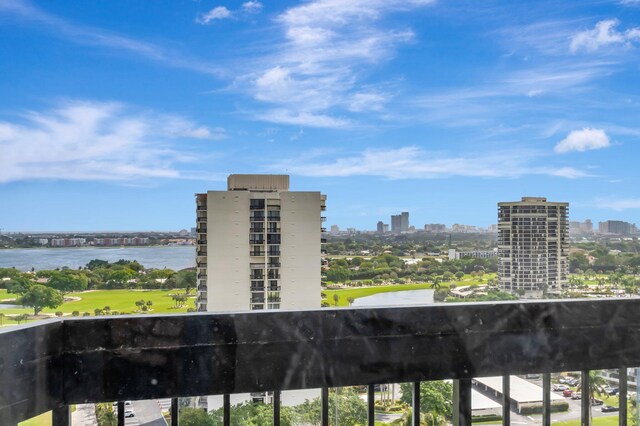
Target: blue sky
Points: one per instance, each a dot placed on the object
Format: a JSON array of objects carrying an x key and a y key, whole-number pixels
[{"x": 114, "y": 113}]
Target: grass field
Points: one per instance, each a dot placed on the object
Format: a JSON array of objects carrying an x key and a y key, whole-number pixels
[
  {"x": 597, "y": 421},
  {"x": 117, "y": 300},
  {"x": 43, "y": 419}
]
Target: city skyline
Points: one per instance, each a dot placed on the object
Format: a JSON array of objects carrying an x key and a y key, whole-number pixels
[{"x": 113, "y": 115}]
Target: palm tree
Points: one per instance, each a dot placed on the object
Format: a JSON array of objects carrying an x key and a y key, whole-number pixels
[
  {"x": 436, "y": 284},
  {"x": 596, "y": 387}
]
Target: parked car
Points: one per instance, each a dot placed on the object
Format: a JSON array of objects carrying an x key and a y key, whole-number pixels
[
  {"x": 567, "y": 392},
  {"x": 562, "y": 380},
  {"x": 613, "y": 391},
  {"x": 532, "y": 376},
  {"x": 557, "y": 387},
  {"x": 596, "y": 401},
  {"x": 576, "y": 395},
  {"x": 609, "y": 409},
  {"x": 129, "y": 413}
]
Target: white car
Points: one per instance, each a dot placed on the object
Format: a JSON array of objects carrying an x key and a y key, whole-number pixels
[
  {"x": 560, "y": 388},
  {"x": 129, "y": 413}
]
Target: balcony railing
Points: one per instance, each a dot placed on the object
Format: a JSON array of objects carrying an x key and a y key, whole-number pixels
[{"x": 53, "y": 364}]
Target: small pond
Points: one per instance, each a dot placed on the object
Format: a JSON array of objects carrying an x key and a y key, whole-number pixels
[{"x": 397, "y": 298}]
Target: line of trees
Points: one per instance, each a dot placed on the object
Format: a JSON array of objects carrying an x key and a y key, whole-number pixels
[
  {"x": 47, "y": 288},
  {"x": 390, "y": 267}
]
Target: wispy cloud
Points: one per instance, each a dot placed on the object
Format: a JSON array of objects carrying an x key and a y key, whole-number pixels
[
  {"x": 81, "y": 140},
  {"x": 92, "y": 36},
  {"x": 583, "y": 140},
  {"x": 215, "y": 14},
  {"x": 602, "y": 35},
  {"x": 415, "y": 163},
  {"x": 316, "y": 68},
  {"x": 220, "y": 13},
  {"x": 617, "y": 204}
]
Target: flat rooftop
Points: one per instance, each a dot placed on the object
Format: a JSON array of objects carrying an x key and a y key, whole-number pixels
[{"x": 522, "y": 391}]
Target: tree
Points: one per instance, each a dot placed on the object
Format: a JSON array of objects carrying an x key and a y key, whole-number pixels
[
  {"x": 596, "y": 387},
  {"x": 75, "y": 313},
  {"x": 59, "y": 314},
  {"x": 179, "y": 300},
  {"x": 105, "y": 415},
  {"x": 335, "y": 299},
  {"x": 350, "y": 300},
  {"x": 97, "y": 312},
  {"x": 149, "y": 304},
  {"x": 459, "y": 275},
  {"x": 20, "y": 318},
  {"x": 19, "y": 284},
  {"x": 1, "y": 318},
  {"x": 437, "y": 396},
  {"x": 186, "y": 279},
  {"x": 39, "y": 297},
  {"x": 97, "y": 263},
  {"x": 352, "y": 410},
  {"x": 196, "y": 417},
  {"x": 67, "y": 282},
  {"x": 140, "y": 303}
]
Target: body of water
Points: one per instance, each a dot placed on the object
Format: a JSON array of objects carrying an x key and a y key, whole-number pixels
[
  {"x": 176, "y": 257},
  {"x": 396, "y": 298}
]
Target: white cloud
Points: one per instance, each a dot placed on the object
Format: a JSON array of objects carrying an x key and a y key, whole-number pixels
[
  {"x": 583, "y": 140},
  {"x": 415, "y": 163},
  {"x": 95, "y": 141},
  {"x": 604, "y": 34},
  {"x": 252, "y": 6},
  {"x": 317, "y": 67},
  {"x": 215, "y": 14}
]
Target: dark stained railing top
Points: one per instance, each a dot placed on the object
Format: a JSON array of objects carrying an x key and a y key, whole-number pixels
[{"x": 78, "y": 360}]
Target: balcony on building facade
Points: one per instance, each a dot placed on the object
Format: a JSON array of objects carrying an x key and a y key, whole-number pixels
[{"x": 54, "y": 364}]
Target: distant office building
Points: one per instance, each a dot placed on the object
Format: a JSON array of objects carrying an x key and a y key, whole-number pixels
[
  {"x": 385, "y": 228},
  {"x": 404, "y": 221},
  {"x": 435, "y": 228},
  {"x": 68, "y": 242},
  {"x": 380, "y": 227},
  {"x": 616, "y": 227},
  {"x": 396, "y": 221},
  {"x": 580, "y": 228},
  {"x": 492, "y": 228},
  {"x": 335, "y": 229},
  {"x": 460, "y": 228},
  {"x": 400, "y": 222},
  {"x": 477, "y": 254},
  {"x": 533, "y": 246},
  {"x": 110, "y": 242}
]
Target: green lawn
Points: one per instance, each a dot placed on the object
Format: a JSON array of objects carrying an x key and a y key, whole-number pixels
[
  {"x": 117, "y": 300},
  {"x": 43, "y": 419},
  {"x": 598, "y": 421}
]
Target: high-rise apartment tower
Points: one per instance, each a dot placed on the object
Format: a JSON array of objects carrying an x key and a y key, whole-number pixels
[
  {"x": 259, "y": 245},
  {"x": 533, "y": 246}
]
